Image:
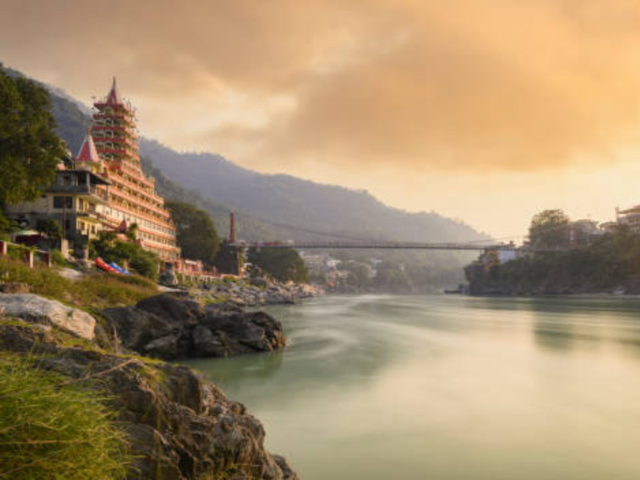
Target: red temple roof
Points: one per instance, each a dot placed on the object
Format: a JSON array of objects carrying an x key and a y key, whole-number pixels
[{"x": 88, "y": 151}]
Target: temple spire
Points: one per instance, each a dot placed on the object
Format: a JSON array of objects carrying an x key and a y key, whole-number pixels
[
  {"x": 88, "y": 151},
  {"x": 114, "y": 94}
]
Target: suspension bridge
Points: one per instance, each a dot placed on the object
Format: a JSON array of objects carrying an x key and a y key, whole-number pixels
[{"x": 352, "y": 243}]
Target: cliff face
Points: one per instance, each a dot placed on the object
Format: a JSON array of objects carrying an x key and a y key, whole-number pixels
[{"x": 179, "y": 426}]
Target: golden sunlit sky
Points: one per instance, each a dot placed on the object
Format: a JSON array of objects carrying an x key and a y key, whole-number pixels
[{"x": 487, "y": 111}]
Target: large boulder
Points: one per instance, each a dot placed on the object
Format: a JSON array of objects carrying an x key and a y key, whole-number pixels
[
  {"x": 36, "y": 309},
  {"x": 135, "y": 328},
  {"x": 170, "y": 326},
  {"x": 159, "y": 317},
  {"x": 246, "y": 332}
]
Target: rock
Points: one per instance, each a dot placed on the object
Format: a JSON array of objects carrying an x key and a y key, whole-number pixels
[
  {"x": 136, "y": 327},
  {"x": 163, "y": 347},
  {"x": 287, "y": 471},
  {"x": 71, "y": 274},
  {"x": 180, "y": 427},
  {"x": 247, "y": 332},
  {"x": 36, "y": 309},
  {"x": 169, "y": 327},
  {"x": 206, "y": 344},
  {"x": 152, "y": 318},
  {"x": 179, "y": 310},
  {"x": 258, "y": 281}
]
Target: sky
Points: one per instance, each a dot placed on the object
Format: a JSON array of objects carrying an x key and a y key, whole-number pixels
[{"x": 487, "y": 111}]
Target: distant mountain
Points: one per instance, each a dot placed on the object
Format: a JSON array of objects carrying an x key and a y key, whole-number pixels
[
  {"x": 246, "y": 226},
  {"x": 269, "y": 206},
  {"x": 287, "y": 200}
]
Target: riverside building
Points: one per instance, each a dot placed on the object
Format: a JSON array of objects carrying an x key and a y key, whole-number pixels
[{"x": 111, "y": 149}]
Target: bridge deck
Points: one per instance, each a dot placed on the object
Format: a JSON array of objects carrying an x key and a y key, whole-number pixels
[{"x": 389, "y": 245}]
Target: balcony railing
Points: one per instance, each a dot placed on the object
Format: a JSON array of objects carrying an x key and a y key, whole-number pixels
[{"x": 78, "y": 190}]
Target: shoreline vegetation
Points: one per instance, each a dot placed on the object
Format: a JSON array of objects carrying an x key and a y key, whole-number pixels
[
  {"x": 122, "y": 413},
  {"x": 599, "y": 262}
]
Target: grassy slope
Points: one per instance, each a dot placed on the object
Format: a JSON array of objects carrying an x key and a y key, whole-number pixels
[
  {"x": 53, "y": 428},
  {"x": 94, "y": 292}
]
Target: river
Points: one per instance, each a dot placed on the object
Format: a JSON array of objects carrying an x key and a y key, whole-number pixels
[{"x": 449, "y": 387}]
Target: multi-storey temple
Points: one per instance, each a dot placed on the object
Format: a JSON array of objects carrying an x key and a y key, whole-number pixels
[
  {"x": 104, "y": 188},
  {"x": 111, "y": 149}
]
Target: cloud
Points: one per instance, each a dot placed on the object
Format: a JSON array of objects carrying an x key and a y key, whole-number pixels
[{"x": 498, "y": 85}]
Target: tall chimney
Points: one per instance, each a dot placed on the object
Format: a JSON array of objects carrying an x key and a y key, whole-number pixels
[{"x": 232, "y": 228}]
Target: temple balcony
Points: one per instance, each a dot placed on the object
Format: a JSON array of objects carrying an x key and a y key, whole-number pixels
[
  {"x": 104, "y": 104},
  {"x": 102, "y": 137},
  {"x": 153, "y": 213},
  {"x": 129, "y": 133},
  {"x": 124, "y": 120},
  {"x": 89, "y": 191},
  {"x": 125, "y": 152}
]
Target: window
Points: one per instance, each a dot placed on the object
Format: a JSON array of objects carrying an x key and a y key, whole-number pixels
[{"x": 62, "y": 202}]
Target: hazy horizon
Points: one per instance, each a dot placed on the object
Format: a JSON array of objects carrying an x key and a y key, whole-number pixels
[{"x": 486, "y": 113}]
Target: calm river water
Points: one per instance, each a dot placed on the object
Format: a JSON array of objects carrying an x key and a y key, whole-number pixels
[{"x": 449, "y": 387}]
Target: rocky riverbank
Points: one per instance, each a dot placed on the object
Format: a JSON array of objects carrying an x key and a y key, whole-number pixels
[
  {"x": 255, "y": 292},
  {"x": 178, "y": 425}
]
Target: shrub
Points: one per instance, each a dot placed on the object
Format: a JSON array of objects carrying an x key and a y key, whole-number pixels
[
  {"x": 58, "y": 258},
  {"x": 51, "y": 427},
  {"x": 111, "y": 249}
]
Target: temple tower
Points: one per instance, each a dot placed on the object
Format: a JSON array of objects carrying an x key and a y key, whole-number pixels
[{"x": 132, "y": 196}]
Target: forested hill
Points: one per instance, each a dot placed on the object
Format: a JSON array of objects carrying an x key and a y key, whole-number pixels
[
  {"x": 218, "y": 185},
  {"x": 288, "y": 200}
]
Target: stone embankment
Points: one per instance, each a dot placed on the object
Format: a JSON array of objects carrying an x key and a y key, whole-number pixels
[
  {"x": 170, "y": 326},
  {"x": 179, "y": 426}
]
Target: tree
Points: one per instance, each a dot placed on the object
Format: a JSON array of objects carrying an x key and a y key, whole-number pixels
[
  {"x": 29, "y": 147},
  {"x": 549, "y": 229},
  {"x": 283, "y": 264},
  {"x": 391, "y": 277},
  {"x": 360, "y": 274},
  {"x": 196, "y": 233},
  {"x": 132, "y": 232},
  {"x": 50, "y": 228}
]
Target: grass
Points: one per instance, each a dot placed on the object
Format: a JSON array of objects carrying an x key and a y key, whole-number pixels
[
  {"x": 217, "y": 299},
  {"x": 51, "y": 428},
  {"x": 94, "y": 291}
]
